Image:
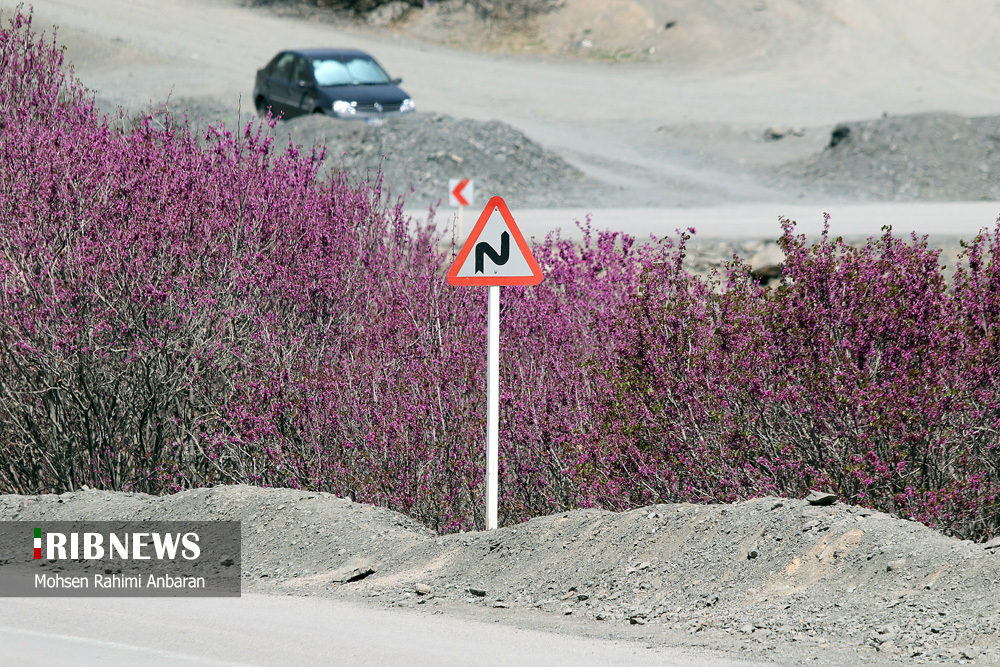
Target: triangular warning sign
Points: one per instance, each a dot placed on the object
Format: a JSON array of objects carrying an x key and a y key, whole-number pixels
[{"x": 495, "y": 253}]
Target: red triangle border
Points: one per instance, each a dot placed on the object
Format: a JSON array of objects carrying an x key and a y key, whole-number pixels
[{"x": 536, "y": 273}]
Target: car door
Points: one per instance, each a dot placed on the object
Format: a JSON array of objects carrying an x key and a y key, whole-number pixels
[
  {"x": 277, "y": 84},
  {"x": 302, "y": 87}
]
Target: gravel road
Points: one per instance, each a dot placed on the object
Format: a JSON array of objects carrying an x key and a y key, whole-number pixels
[{"x": 709, "y": 123}]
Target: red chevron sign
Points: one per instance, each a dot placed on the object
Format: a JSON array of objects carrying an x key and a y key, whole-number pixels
[{"x": 460, "y": 192}]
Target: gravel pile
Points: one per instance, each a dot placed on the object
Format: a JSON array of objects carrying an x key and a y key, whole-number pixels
[
  {"x": 777, "y": 578},
  {"x": 922, "y": 157},
  {"x": 934, "y": 156},
  {"x": 423, "y": 151}
]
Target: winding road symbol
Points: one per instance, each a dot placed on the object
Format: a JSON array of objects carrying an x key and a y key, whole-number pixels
[
  {"x": 484, "y": 250},
  {"x": 495, "y": 252}
]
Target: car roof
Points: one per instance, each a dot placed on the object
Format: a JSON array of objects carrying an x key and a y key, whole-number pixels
[{"x": 328, "y": 53}]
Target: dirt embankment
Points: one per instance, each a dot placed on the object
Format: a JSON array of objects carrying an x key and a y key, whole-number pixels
[{"x": 776, "y": 578}]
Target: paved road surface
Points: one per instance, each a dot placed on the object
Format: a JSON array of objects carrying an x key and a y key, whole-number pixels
[
  {"x": 757, "y": 221},
  {"x": 268, "y": 630}
]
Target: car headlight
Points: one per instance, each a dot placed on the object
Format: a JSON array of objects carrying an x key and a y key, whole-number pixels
[
  {"x": 346, "y": 108},
  {"x": 407, "y": 105}
]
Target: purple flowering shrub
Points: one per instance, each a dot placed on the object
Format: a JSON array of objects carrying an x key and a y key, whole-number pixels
[
  {"x": 861, "y": 373},
  {"x": 182, "y": 308},
  {"x": 556, "y": 339},
  {"x": 168, "y": 303}
]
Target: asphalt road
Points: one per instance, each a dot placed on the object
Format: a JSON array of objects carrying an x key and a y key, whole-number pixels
[
  {"x": 270, "y": 630},
  {"x": 755, "y": 221}
]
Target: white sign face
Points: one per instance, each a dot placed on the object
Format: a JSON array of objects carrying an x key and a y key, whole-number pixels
[
  {"x": 461, "y": 192},
  {"x": 495, "y": 253}
]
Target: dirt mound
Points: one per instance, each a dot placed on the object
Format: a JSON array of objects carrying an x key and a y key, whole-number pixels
[
  {"x": 932, "y": 156},
  {"x": 423, "y": 151},
  {"x": 787, "y": 578}
]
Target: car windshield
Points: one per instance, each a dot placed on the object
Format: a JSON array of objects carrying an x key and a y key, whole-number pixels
[{"x": 348, "y": 71}]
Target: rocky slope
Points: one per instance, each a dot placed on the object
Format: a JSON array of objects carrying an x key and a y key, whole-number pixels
[{"x": 418, "y": 154}]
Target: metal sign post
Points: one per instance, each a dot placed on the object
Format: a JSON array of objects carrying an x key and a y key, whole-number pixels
[
  {"x": 493, "y": 408},
  {"x": 489, "y": 259}
]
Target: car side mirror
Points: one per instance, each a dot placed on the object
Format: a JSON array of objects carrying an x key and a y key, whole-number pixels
[{"x": 398, "y": 80}]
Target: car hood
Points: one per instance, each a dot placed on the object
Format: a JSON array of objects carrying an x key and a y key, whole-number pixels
[{"x": 365, "y": 94}]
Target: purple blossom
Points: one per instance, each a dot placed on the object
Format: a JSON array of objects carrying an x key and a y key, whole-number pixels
[{"x": 185, "y": 308}]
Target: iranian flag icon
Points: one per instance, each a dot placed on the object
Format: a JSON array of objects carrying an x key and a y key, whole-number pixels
[{"x": 38, "y": 543}]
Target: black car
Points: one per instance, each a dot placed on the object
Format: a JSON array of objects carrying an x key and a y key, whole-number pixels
[{"x": 344, "y": 83}]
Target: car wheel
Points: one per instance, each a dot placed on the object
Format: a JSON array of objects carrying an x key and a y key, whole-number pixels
[{"x": 262, "y": 105}]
